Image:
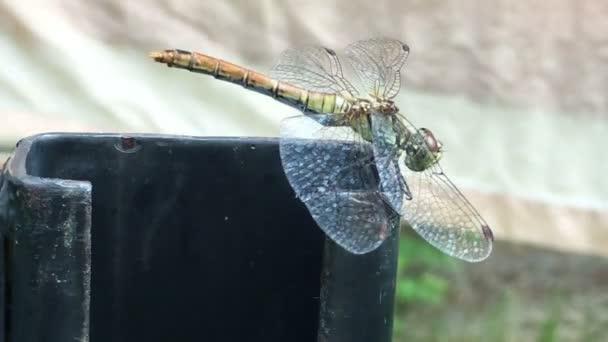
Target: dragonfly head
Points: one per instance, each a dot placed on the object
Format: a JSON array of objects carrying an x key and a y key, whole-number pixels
[
  {"x": 435, "y": 146},
  {"x": 422, "y": 151}
]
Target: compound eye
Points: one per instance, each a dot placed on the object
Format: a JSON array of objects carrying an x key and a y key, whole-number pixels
[{"x": 430, "y": 140}]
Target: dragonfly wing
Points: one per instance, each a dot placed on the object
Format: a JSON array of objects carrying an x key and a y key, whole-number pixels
[
  {"x": 312, "y": 68},
  {"x": 357, "y": 221},
  {"x": 377, "y": 62},
  {"x": 441, "y": 214},
  {"x": 386, "y": 156},
  {"x": 332, "y": 172}
]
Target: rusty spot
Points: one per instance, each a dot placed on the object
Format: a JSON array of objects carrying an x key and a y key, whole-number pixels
[{"x": 127, "y": 145}]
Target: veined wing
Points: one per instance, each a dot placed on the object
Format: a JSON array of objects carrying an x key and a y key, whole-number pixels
[
  {"x": 377, "y": 62},
  {"x": 332, "y": 171},
  {"x": 313, "y": 68},
  {"x": 386, "y": 155},
  {"x": 439, "y": 212}
]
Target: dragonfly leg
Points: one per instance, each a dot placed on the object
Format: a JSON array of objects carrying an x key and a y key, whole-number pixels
[
  {"x": 402, "y": 183},
  {"x": 406, "y": 188}
]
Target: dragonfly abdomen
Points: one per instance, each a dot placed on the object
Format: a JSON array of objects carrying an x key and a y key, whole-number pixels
[{"x": 310, "y": 101}]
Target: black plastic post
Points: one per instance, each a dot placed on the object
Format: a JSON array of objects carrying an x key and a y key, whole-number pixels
[
  {"x": 166, "y": 238},
  {"x": 47, "y": 245},
  {"x": 358, "y": 293}
]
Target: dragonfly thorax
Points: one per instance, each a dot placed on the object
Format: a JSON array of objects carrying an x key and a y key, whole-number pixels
[
  {"x": 360, "y": 107},
  {"x": 385, "y": 106}
]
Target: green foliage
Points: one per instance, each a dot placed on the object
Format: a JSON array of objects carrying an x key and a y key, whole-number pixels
[
  {"x": 496, "y": 320},
  {"x": 594, "y": 327},
  {"x": 427, "y": 288},
  {"x": 420, "y": 267},
  {"x": 421, "y": 278},
  {"x": 548, "y": 330}
]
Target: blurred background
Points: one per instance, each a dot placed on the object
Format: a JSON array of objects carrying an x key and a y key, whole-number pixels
[{"x": 517, "y": 92}]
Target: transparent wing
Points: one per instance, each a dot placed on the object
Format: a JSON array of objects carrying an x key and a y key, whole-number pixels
[
  {"x": 386, "y": 155},
  {"x": 440, "y": 213},
  {"x": 313, "y": 68},
  {"x": 377, "y": 62},
  {"x": 332, "y": 172}
]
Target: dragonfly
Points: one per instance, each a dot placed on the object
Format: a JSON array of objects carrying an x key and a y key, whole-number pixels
[{"x": 355, "y": 161}]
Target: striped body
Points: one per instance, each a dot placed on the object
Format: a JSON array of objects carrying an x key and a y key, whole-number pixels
[{"x": 309, "y": 101}]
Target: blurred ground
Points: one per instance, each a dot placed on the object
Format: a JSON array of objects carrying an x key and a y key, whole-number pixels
[{"x": 522, "y": 293}]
